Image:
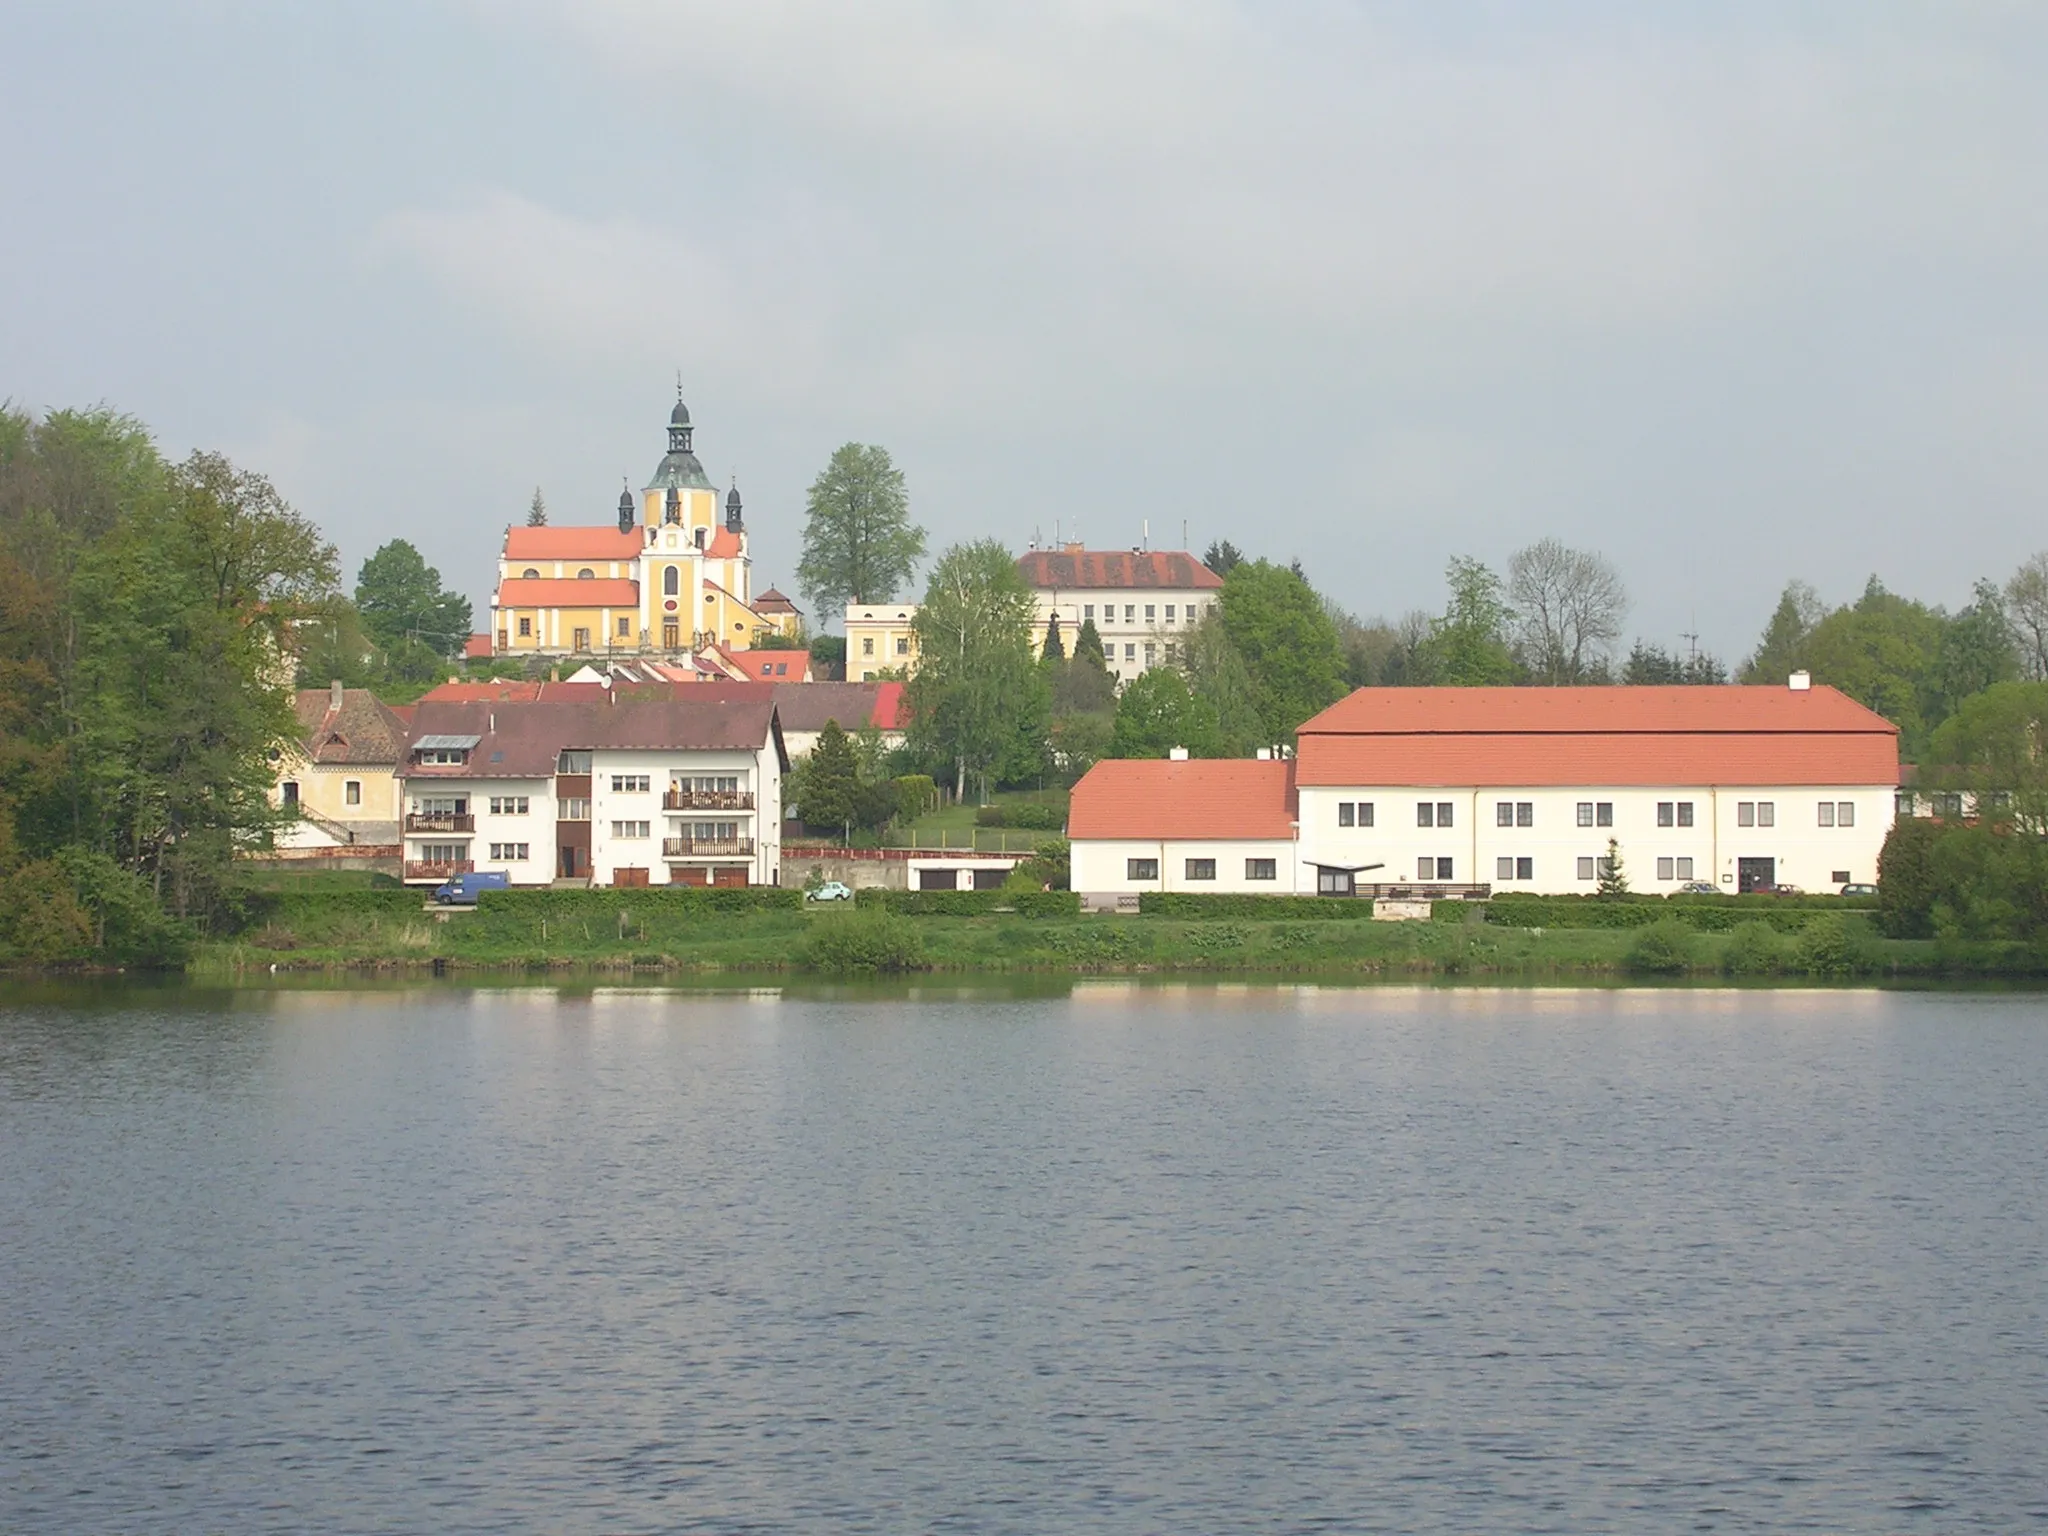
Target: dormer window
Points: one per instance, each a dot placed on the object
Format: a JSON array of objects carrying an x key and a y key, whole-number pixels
[
  {"x": 585, "y": 574},
  {"x": 530, "y": 574}
]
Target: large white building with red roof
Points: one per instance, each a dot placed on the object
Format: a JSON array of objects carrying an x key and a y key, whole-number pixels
[
  {"x": 671, "y": 577},
  {"x": 1140, "y": 601},
  {"x": 1464, "y": 790}
]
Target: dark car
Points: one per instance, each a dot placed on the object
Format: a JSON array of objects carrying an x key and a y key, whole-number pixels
[{"x": 1859, "y": 888}]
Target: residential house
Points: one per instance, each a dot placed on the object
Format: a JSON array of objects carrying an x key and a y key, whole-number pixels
[{"x": 341, "y": 778}]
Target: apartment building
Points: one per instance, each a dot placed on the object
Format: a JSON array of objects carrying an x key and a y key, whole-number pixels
[
  {"x": 615, "y": 791},
  {"x": 1140, "y": 601}
]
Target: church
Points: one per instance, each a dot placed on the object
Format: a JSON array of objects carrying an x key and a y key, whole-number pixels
[{"x": 672, "y": 579}]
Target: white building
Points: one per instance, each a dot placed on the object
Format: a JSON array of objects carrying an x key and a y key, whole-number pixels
[
  {"x": 654, "y": 791},
  {"x": 1150, "y": 825},
  {"x": 1141, "y": 602},
  {"x": 1526, "y": 789}
]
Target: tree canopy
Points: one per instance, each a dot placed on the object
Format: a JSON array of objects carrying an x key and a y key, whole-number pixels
[
  {"x": 859, "y": 543},
  {"x": 1287, "y": 642},
  {"x": 977, "y": 702},
  {"x": 1468, "y": 646},
  {"x": 401, "y": 600},
  {"x": 1156, "y": 713}
]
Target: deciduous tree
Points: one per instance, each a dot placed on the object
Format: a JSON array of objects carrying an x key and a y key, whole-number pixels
[
  {"x": 978, "y": 701},
  {"x": 1290, "y": 649},
  {"x": 400, "y": 598},
  {"x": 1568, "y": 606},
  {"x": 859, "y": 543}
]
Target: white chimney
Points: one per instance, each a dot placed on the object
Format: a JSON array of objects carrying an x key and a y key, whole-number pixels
[
  {"x": 1177, "y": 755},
  {"x": 1265, "y": 754},
  {"x": 1801, "y": 681},
  {"x": 334, "y": 694}
]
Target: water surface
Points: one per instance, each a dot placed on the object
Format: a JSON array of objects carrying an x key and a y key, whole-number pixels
[{"x": 1128, "y": 1260}]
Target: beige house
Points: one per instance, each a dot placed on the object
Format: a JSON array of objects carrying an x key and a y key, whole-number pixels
[
  {"x": 342, "y": 778},
  {"x": 879, "y": 638}
]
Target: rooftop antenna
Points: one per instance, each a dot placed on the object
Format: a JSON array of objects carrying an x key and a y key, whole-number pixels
[{"x": 1691, "y": 638}]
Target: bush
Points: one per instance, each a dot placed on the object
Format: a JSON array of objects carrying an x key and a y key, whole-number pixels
[
  {"x": 1753, "y": 949},
  {"x": 1031, "y": 816},
  {"x": 1905, "y": 879},
  {"x": 1705, "y": 914},
  {"x": 857, "y": 943},
  {"x": 932, "y": 903},
  {"x": 1047, "y": 903},
  {"x": 1200, "y": 905},
  {"x": 1661, "y": 949},
  {"x": 1825, "y": 947},
  {"x": 608, "y": 901}
]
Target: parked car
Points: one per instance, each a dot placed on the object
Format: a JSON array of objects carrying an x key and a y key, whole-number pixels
[
  {"x": 1787, "y": 890},
  {"x": 462, "y": 890},
  {"x": 1859, "y": 888},
  {"x": 1698, "y": 888},
  {"x": 831, "y": 890}
]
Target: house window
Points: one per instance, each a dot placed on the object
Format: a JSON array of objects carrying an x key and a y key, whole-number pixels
[
  {"x": 867, "y": 645},
  {"x": 1149, "y": 651},
  {"x": 1201, "y": 869},
  {"x": 1685, "y": 813},
  {"x": 903, "y": 645},
  {"x": 1504, "y": 814},
  {"x": 508, "y": 805},
  {"x": 510, "y": 852},
  {"x": 1425, "y": 868},
  {"x": 1425, "y": 813},
  {"x": 1149, "y": 611},
  {"x": 572, "y": 762},
  {"x": 1525, "y": 813},
  {"x": 1666, "y": 814},
  {"x": 1087, "y": 610},
  {"x": 1346, "y": 814},
  {"x": 625, "y": 627},
  {"x": 1525, "y": 869},
  {"x": 1261, "y": 869},
  {"x": 1585, "y": 869},
  {"x": 289, "y": 790},
  {"x": 352, "y": 792},
  {"x": 575, "y": 808},
  {"x": 1745, "y": 813},
  {"x": 1767, "y": 813},
  {"x": 1513, "y": 813},
  {"x": 443, "y": 853},
  {"x": 1365, "y": 813},
  {"x": 1840, "y": 877},
  {"x": 1130, "y": 653},
  {"x": 1664, "y": 868},
  {"x": 1685, "y": 869},
  {"x": 1503, "y": 869},
  {"x": 1845, "y": 813},
  {"x": 1603, "y": 813},
  {"x": 526, "y": 629},
  {"x": 631, "y": 783},
  {"x": 1169, "y": 613},
  {"x": 629, "y": 829},
  {"x": 1130, "y": 613},
  {"x": 1141, "y": 869},
  {"x": 1443, "y": 813},
  {"x": 1827, "y": 813}
]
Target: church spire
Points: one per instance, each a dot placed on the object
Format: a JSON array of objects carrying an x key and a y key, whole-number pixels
[{"x": 679, "y": 421}]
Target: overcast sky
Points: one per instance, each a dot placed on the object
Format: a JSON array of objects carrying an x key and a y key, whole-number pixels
[{"x": 1731, "y": 293}]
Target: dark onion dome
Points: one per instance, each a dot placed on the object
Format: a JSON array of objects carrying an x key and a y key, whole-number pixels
[
  {"x": 625, "y": 501},
  {"x": 732, "y": 499},
  {"x": 679, "y": 468}
]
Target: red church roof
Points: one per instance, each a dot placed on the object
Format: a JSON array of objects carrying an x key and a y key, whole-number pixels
[
  {"x": 572, "y": 543},
  {"x": 568, "y": 592}
]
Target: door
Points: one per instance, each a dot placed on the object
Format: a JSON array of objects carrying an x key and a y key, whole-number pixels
[
  {"x": 671, "y": 637},
  {"x": 729, "y": 874},
  {"x": 627, "y": 876},
  {"x": 990, "y": 879},
  {"x": 1755, "y": 874},
  {"x": 938, "y": 880},
  {"x": 567, "y": 867}
]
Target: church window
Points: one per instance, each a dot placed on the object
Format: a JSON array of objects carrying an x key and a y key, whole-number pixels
[
  {"x": 625, "y": 628},
  {"x": 700, "y": 537},
  {"x": 585, "y": 574},
  {"x": 668, "y": 582},
  {"x": 526, "y": 629},
  {"x": 530, "y": 574}
]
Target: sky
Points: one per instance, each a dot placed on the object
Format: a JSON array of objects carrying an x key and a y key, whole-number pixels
[{"x": 1731, "y": 293}]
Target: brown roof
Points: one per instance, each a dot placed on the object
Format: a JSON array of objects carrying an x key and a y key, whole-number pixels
[
  {"x": 362, "y": 730},
  {"x": 773, "y": 601},
  {"x": 522, "y": 740},
  {"x": 1075, "y": 568},
  {"x": 807, "y": 706},
  {"x": 572, "y": 543},
  {"x": 1216, "y": 798},
  {"x": 1603, "y": 736}
]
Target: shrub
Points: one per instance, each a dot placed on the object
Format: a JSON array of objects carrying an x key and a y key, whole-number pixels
[
  {"x": 1191, "y": 904},
  {"x": 1752, "y": 949},
  {"x": 1661, "y": 949},
  {"x": 1031, "y": 816},
  {"x": 857, "y": 943},
  {"x": 932, "y": 903},
  {"x": 1825, "y": 947},
  {"x": 1047, "y": 903},
  {"x": 1905, "y": 879}
]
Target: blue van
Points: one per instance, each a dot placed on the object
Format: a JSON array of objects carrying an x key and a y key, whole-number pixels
[{"x": 461, "y": 891}]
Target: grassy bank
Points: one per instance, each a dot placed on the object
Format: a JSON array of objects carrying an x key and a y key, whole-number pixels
[{"x": 549, "y": 931}]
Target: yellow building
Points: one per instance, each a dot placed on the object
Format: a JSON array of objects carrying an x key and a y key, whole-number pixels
[
  {"x": 341, "y": 780},
  {"x": 673, "y": 576},
  {"x": 879, "y": 638}
]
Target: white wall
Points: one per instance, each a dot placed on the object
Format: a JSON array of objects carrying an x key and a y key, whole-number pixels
[
  {"x": 1101, "y": 866},
  {"x": 1806, "y": 853},
  {"x": 536, "y": 828},
  {"x": 759, "y": 774},
  {"x": 1106, "y": 606}
]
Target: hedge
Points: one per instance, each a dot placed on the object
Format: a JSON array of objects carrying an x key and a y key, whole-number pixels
[
  {"x": 1201, "y": 904},
  {"x": 1706, "y": 914},
  {"x": 289, "y": 906},
  {"x": 610, "y": 900},
  {"x": 1031, "y": 816},
  {"x": 969, "y": 903}
]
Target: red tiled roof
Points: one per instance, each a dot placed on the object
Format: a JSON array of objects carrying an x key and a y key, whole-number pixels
[
  {"x": 1218, "y": 798},
  {"x": 568, "y": 592},
  {"x": 1597, "y": 736},
  {"x": 773, "y": 601},
  {"x": 477, "y": 648},
  {"x": 509, "y": 691},
  {"x": 572, "y": 543},
  {"x": 888, "y": 715},
  {"x": 1116, "y": 568},
  {"x": 724, "y": 544},
  {"x": 522, "y": 740}
]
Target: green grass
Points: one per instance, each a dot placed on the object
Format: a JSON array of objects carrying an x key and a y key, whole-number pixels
[
  {"x": 657, "y": 940},
  {"x": 952, "y": 826}
]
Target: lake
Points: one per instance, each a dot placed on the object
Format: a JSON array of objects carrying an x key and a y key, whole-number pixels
[{"x": 1115, "y": 1258}]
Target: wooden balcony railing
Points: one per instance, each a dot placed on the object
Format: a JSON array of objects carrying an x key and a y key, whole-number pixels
[
  {"x": 694, "y": 848},
  {"x": 708, "y": 800},
  {"x": 437, "y": 869},
  {"x": 439, "y": 821}
]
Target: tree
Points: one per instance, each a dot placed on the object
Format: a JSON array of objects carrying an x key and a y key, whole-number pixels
[
  {"x": 537, "y": 511},
  {"x": 1468, "y": 646},
  {"x": 1288, "y": 644},
  {"x": 1782, "y": 650},
  {"x": 828, "y": 657},
  {"x": 1155, "y": 713},
  {"x": 1650, "y": 665},
  {"x": 828, "y": 791},
  {"x": 1613, "y": 878},
  {"x": 1883, "y": 652},
  {"x": 1217, "y": 676},
  {"x": 1223, "y": 557},
  {"x": 1568, "y": 607},
  {"x": 400, "y": 598},
  {"x": 1088, "y": 646},
  {"x": 1995, "y": 748},
  {"x": 859, "y": 543},
  {"x": 1055, "y": 647},
  {"x": 977, "y": 697},
  {"x": 2026, "y": 599},
  {"x": 1977, "y": 649}
]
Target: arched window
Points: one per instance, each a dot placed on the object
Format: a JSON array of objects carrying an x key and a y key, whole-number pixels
[
  {"x": 530, "y": 574},
  {"x": 669, "y": 585},
  {"x": 585, "y": 574}
]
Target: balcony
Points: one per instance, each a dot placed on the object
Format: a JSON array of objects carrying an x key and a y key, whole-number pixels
[
  {"x": 437, "y": 870},
  {"x": 708, "y": 800},
  {"x": 695, "y": 848},
  {"x": 439, "y": 821}
]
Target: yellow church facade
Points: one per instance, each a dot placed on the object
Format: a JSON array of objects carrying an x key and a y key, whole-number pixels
[{"x": 672, "y": 577}]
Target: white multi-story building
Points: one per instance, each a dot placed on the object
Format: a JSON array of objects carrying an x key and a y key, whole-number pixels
[
  {"x": 647, "y": 791},
  {"x": 1521, "y": 789},
  {"x": 1141, "y": 602}
]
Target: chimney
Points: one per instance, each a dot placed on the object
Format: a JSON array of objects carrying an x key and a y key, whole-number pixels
[
  {"x": 1801, "y": 681},
  {"x": 334, "y": 692},
  {"x": 1265, "y": 754},
  {"x": 1177, "y": 754}
]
